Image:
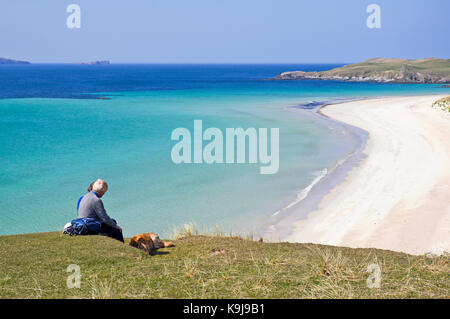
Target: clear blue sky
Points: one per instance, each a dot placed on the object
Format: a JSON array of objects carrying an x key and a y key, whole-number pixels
[{"x": 216, "y": 31}]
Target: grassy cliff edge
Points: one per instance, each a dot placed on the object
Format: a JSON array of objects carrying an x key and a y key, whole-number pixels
[{"x": 35, "y": 266}]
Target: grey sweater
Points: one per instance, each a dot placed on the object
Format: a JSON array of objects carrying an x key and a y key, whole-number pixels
[{"x": 92, "y": 207}]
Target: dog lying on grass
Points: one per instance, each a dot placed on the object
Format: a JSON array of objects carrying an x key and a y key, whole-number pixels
[{"x": 149, "y": 242}]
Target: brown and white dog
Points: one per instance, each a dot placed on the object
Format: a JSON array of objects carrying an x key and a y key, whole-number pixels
[{"x": 149, "y": 242}]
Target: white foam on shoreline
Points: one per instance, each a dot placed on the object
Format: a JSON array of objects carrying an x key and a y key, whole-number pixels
[
  {"x": 320, "y": 175},
  {"x": 305, "y": 191}
]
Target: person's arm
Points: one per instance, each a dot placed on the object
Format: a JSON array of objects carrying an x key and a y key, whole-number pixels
[
  {"x": 102, "y": 215},
  {"x": 78, "y": 204}
]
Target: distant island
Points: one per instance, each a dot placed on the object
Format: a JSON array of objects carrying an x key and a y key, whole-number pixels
[
  {"x": 11, "y": 61},
  {"x": 104, "y": 62},
  {"x": 428, "y": 70}
]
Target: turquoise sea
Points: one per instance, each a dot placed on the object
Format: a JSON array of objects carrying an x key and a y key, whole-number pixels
[{"x": 57, "y": 136}]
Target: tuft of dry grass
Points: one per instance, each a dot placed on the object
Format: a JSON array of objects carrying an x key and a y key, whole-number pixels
[
  {"x": 186, "y": 230},
  {"x": 443, "y": 104}
]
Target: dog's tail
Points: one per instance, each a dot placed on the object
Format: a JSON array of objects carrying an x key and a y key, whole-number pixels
[{"x": 168, "y": 244}]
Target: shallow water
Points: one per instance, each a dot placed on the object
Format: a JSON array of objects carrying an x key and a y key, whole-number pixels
[{"x": 57, "y": 138}]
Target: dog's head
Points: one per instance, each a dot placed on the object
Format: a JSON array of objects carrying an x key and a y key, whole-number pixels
[{"x": 157, "y": 242}]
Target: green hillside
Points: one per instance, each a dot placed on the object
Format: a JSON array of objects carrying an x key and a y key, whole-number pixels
[
  {"x": 429, "y": 70},
  {"x": 34, "y": 266}
]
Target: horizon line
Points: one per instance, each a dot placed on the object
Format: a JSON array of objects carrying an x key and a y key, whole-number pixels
[{"x": 179, "y": 63}]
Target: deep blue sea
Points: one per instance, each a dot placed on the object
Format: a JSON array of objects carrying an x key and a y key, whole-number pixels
[{"x": 64, "y": 126}]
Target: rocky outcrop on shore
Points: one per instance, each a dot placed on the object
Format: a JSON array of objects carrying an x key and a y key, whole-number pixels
[
  {"x": 12, "y": 61},
  {"x": 383, "y": 71}
]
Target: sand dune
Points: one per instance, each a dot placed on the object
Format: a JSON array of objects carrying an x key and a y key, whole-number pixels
[{"x": 398, "y": 198}]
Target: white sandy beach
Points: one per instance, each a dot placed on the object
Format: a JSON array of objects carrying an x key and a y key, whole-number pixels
[{"x": 398, "y": 198}]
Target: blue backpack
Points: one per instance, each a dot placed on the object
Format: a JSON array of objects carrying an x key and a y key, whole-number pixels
[{"x": 86, "y": 226}]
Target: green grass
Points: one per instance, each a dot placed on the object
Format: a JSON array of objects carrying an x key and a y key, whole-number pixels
[
  {"x": 34, "y": 266},
  {"x": 439, "y": 67}
]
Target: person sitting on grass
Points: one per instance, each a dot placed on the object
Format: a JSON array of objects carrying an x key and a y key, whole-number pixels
[{"x": 91, "y": 206}]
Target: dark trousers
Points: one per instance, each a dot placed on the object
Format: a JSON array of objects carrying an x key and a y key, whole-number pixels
[{"x": 112, "y": 232}]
